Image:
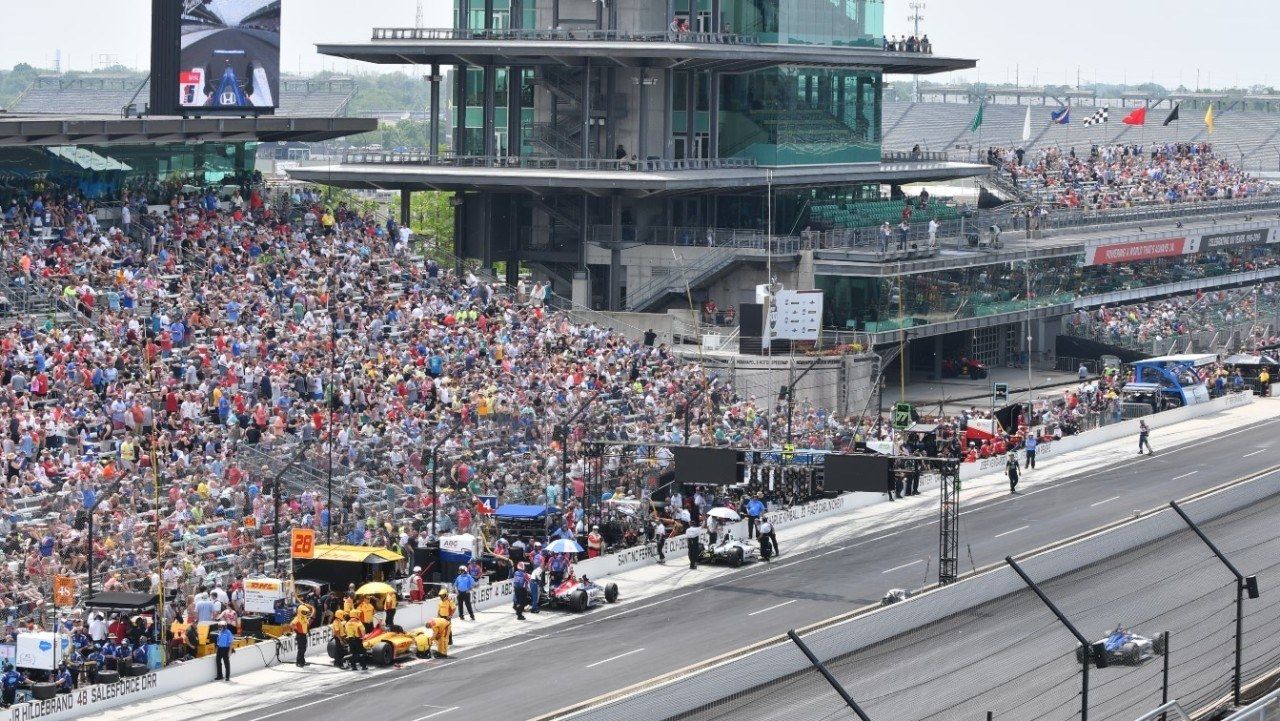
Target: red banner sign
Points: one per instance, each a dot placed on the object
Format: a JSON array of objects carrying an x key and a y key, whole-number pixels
[{"x": 1141, "y": 250}]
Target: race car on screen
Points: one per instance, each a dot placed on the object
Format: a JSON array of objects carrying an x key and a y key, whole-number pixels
[
  {"x": 578, "y": 595},
  {"x": 731, "y": 551},
  {"x": 1126, "y": 648}
]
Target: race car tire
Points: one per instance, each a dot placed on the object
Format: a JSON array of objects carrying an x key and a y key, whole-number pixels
[
  {"x": 1130, "y": 655},
  {"x": 1157, "y": 645},
  {"x": 578, "y": 601},
  {"x": 611, "y": 593},
  {"x": 735, "y": 557},
  {"x": 332, "y": 648},
  {"x": 383, "y": 654}
]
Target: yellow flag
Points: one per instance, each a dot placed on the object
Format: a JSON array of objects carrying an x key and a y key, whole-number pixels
[{"x": 1208, "y": 118}]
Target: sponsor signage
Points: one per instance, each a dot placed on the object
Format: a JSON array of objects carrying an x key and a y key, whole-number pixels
[
  {"x": 795, "y": 315},
  {"x": 1129, "y": 252},
  {"x": 1256, "y": 236},
  {"x": 302, "y": 543},
  {"x": 261, "y": 594}
]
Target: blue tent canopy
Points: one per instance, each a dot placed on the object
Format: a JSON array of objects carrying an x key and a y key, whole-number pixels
[{"x": 521, "y": 512}]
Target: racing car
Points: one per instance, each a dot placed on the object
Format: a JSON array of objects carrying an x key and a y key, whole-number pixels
[
  {"x": 1126, "y": 648},
  {"x": 387, "y": 645},
  {"x": 578, "y": 595},
  {"x": 731, "y": 551}
]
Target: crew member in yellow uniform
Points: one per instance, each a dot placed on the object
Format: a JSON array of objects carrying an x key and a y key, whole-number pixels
[
  {"x": 353, "y": 633},
  {"x": 440, "y": 634},
  {"x": 446, "y": 609},
  {"x": 301, "y": 625},
  {"x": 389, "y": 607},
  {"x": 339, "y": 643},
  {"x": 364, "y": 612}
]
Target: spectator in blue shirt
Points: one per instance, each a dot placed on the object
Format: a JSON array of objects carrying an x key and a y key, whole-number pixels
[
  {"x": 755, "y": 507},
  {"x": 9, "y": 684}
]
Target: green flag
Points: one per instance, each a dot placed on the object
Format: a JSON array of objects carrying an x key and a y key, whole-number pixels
[{"x": 977, "y": 119}]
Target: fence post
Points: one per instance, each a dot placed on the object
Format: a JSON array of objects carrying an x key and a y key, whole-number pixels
[
  {"x": 1164, "y": 691},
  {"x": 1086, "y": 648},
  {"x": 827, "y": 675},
  {"x": 1243, "y": 584}
]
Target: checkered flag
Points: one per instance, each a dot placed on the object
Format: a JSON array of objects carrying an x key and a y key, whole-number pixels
[{"x": 1099, "y": 117}]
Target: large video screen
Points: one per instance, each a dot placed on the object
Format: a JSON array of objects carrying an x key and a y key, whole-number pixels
[
  {"x": 858, "y": 473},
  {"x": 709, "y": 466},
  {"x": 230, "y": 54}
]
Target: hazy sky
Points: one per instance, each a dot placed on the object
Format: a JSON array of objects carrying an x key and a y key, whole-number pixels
[{"x": 1044, "y": 40}]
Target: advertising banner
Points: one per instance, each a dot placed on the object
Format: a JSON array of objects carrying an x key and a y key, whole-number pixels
[
  {"x": 795, "y": 315},
  {"x": 230, "y": 57},
  {"x": 1257, "y": 236},
  {"x": 1130, "y": 252},
  {"x": 261, "y": 594}
]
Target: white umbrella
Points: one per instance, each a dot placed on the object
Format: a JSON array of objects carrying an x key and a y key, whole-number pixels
[
  {"x": 564, "y": 545},
  {"x": 727, "y": 514}
]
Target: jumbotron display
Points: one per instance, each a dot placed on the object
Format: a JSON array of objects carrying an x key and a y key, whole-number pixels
[{"x": 230, "y": 54}]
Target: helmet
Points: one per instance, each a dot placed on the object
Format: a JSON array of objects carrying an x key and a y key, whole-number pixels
[
  {"x": 444, "y": 593},
  {"x": 305, "y": 610},
  {"x": 340, "y": 615}
]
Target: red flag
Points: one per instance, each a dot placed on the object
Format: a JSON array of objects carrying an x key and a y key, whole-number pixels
[{"x": 1137, "y": 117}]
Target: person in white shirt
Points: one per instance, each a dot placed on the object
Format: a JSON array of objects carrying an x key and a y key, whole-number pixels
[
  {"x": 933, "y": 232},
  {"x": 692, "y": 538}
]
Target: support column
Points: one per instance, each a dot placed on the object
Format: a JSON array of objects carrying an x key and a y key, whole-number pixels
[
  {"x": 515, "y": 81},
  {"x": 610, "y": 122},
  {"x": 488, "y": 14},
  {"x": 555, "y": 13},
  {"x": 586, "y": 108},
  {"x": 434, "y": 150},
  {"x": 464, "y": 14},
  {"x": 586, "y": 232},
  {"x": 406, "y": 198},
  {"x": 490, "y": 83},
  {"x": 642, "y": 143},
  {"x": 936, "y": 373},
  {"x": 715, "y": 16},
  {"x": 459, "y": 109},
  {"x": 714, "y": 120},
  {"x": 668, "y": 109},
  {"x": 486, "y": 235},
  {"x": 615, "y": 253},
  {"x": 690, "y": 113}
]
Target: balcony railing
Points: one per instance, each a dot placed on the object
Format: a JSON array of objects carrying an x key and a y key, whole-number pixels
[
  {"x": 563, "y": 34},
  {"x": 503, "y": 161},
  {"x": 913, "y": 156}
]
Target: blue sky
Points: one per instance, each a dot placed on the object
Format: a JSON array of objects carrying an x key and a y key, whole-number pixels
[{"x": 1040, "y": 41}]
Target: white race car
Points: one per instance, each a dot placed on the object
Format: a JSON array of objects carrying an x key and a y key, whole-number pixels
[
  {"x": 731, "y": 551},
  {"x": 1126, "y": 648}
]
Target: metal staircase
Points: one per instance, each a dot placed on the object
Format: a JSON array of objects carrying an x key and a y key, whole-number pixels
[
  {"x": 562, "y": 136},
  {"x": 686, "y": 276}
]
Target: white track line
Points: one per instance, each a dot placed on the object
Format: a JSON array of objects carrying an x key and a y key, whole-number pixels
[
  {"x": 1113, "y": 498},
  {"x": 615, "y": 658},
  {"x": 1184, "y": 475},
  {"x": 1254, "y": 453},
  {"x": 1019, "y": 528},
  {"x": 905, "y": 565},
  {"x": 437, "y": 713},
  {"x": 780, "y": 605}
]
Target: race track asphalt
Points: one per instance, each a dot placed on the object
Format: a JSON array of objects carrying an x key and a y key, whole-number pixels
[{"x": 611, "y": 648}]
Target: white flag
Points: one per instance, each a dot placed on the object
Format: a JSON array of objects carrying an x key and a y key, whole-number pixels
[{"x": 1026, "y": 126}]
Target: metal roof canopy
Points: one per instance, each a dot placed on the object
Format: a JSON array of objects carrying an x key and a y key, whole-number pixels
[
  {"x": 684, "y": 56},
  {"x": 632, "y": 182},
  {"x": 36, "y": 131}
]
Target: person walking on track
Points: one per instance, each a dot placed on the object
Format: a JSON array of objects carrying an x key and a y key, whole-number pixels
[
  {"x": 1011, "y": 467},
  {"x": 1032, "y": 441},
  {"x": 1144, "y": 434}
]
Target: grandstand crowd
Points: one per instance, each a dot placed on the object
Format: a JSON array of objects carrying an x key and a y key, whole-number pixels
[
  {"x": 1126, "y": 175},
  {"x": 203, "y": 344},
  {"x": 1142, "y": 324}
]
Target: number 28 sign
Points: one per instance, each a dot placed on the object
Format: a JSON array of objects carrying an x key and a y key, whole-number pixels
[{"x": 302, "y": 543}]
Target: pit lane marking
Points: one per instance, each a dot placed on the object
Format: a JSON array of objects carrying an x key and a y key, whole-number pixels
[
  {"x": 1184, "y": 475},
  {"x": 607, "y": 660},
  {"x": 1116, "y": 498},
  {"x": 437, "y": 713},
  {"x": 905, "y": 565},
  {"x": 780, "y": 605},
  {"x": 1019, "y": 528},
  {"x": 1254, "y": 453}
]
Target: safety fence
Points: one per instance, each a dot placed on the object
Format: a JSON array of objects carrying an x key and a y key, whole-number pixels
[{"x": 989, "y": 648}]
